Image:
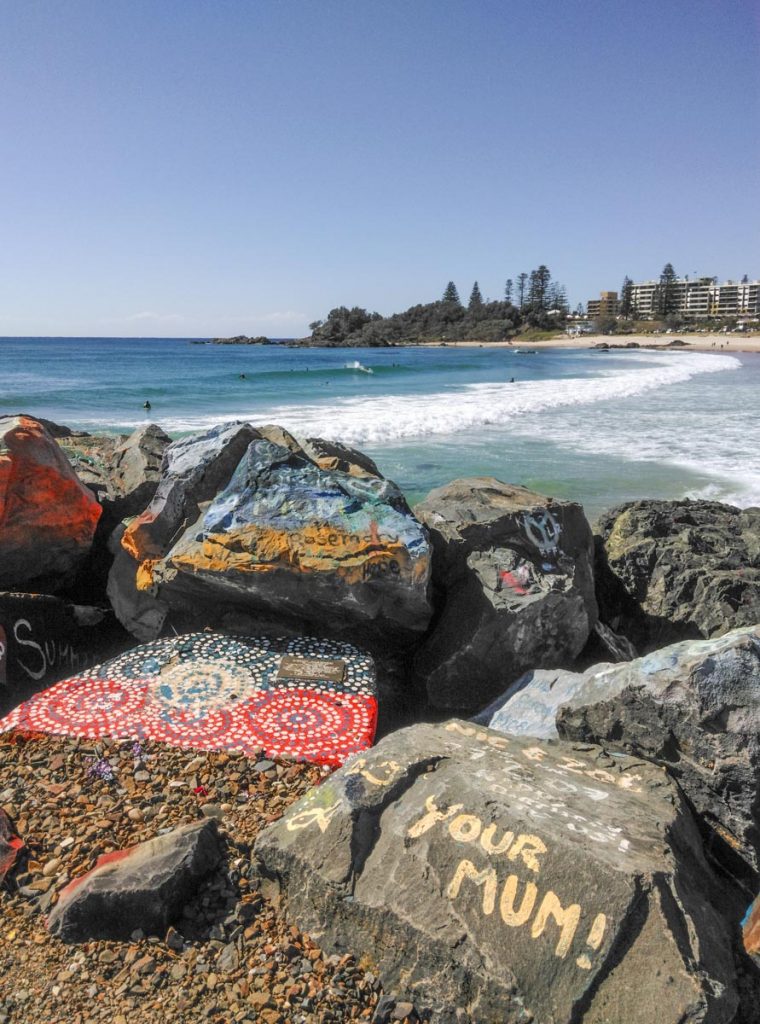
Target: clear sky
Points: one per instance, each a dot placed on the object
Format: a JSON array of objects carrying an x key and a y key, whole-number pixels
[{"x": 203, "y": 167}]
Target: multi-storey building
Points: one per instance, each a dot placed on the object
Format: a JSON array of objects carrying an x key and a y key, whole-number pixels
[
  {"x": 698, "y": 298},
  {"x": 606, "y": 305}
]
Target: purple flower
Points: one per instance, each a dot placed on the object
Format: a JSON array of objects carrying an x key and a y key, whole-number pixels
[{"x": 100, "y": 769}]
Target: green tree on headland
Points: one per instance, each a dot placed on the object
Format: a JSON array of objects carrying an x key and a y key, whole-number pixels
[
  {"x": 508, "y": 287},
  {"x": 476, "y": 299},
  {"x": 451, "y": 294},
  {"x": 522, "y": 281}
]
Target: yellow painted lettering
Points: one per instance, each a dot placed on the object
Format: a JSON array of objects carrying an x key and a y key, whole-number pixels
[
  {"x": 465, "y": 828},
  {"x": 492, "y": 848},
  {"x": 486, "y": 878},
  {"x": 431, "y": 817},
  {"x": 514, "y": 918},
  {"x": 567, "y": 919},
  {"x": 528, "y": 847}
]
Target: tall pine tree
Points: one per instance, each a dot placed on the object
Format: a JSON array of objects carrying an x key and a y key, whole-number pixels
[
  {"x": 451, "y": 294},
  {"x": 476, "y": 299},
  {"x": 508, "y": 287}
]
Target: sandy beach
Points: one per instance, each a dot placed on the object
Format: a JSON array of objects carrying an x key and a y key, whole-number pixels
[{"x": 694, "y": 342}]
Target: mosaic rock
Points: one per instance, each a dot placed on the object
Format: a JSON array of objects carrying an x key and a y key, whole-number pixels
[
  {"x": 43, "y": 639},
  {"x": 496, "y": 878},
  {"x": 47, "y": 516},
  {"x": 304, "y": 699},
  {"x": 144, "y": 887},
  {"x": 678, "y": 570},
  {"x": 309, "y": 533},
  {"x": 513, "y": 572}
]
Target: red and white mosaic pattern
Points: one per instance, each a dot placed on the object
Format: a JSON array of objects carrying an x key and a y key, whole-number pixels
[{"x": 211, "y": 692}]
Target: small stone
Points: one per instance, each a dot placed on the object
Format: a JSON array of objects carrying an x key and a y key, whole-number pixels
[
  {"x": 229, "y": 959},
  {"x": 135, "y": 814},
  {"x": 51, "y": 867},
  {"x": 211, "y": 811}
]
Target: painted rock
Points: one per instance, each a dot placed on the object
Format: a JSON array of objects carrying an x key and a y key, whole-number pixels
[
  {"x": 514, "y": 575},
  {"x": 252, "y": 518},
  {"x": 304, "y": 699},
  {"x": 47, "y": 516},
  {"x": 494, "y": 878},
  {"x": 751, "y": 931},
  {"x": 44, "y": 639}
]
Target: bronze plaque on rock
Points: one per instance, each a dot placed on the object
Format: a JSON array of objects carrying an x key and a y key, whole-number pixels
[{"x": 309, "y": 669}]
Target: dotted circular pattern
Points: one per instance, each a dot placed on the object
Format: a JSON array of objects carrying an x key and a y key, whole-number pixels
[{"x": 210, "y": 692}]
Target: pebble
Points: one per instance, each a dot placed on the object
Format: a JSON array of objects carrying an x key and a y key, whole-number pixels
[{"x": 231, "y": 958}]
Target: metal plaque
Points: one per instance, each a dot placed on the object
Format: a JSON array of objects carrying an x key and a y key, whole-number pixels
[{"x": 311, "y": 669}]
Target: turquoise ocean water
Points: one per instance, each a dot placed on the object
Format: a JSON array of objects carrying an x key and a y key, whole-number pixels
[{"x": 596, "y": 427}]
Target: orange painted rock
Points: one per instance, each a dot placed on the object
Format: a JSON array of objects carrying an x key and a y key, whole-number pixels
[
  {"x": 751, "y": 931},
  {"x": 307, "y": 530},
  {"x": 47, "y": 516}
]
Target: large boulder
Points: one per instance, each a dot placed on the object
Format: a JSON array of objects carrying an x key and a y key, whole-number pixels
[
  {"x": 47, "y": 516},
  {"x": 251, "y": 518},
  {"x": 135, "y": 469},
  {"x": 693, "y": 707},
  {"x": 676, "y": 570},
  {"x": 145, "y": 886},
  {"x": 492, "y": 878},
  {"x": 514, "y": 575}
]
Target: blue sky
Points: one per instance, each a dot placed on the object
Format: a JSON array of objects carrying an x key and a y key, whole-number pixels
[{"x": 192, "y": 168}]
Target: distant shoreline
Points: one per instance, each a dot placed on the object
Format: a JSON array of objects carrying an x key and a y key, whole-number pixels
[{"x": 732, "y": 343}]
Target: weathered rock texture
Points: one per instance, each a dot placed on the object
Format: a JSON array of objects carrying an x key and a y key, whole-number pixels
[
  {"x": 135, "y": 469},
  {"x": 249, "y": 517},
  {"x": 674, "y": 570},
  {"x": 43, "y": 639},
  {"x": 514, "y": 574},
  {"x": 693, "y": 707},
  {"x": 47, "y": 516},
  {"x": 492, "y": 878},
  {"x": 144, "y": 887}
]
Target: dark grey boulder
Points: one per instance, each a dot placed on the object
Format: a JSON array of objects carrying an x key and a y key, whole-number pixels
[
  {"x": 143, "y": 888},
  {"x": 693, "y": 707},
  {"x": 493, "y": 878},
  {"x": 513, "y": 572},
  {"x": 675, "y": 570},
  {"x": 249, "y": 518}
]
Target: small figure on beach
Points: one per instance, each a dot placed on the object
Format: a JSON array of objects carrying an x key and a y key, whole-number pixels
[{"x": 146, "y": 405}]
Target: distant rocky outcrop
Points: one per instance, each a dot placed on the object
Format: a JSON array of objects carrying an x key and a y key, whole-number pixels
[
  {"x": 242, "y": 339},
  {"x": 513, "y": 577},
  {"x": 496, "y": 878},
  {"x": 48, "y": 517},
  {"x": 674, "y": 570},
  {"x": 250, "y": 518},
  {"x": 693, "y": 707}
]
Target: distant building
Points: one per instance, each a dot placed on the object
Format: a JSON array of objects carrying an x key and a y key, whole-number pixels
[
  {"x": 701, "y": 297},
  {"x": 605, "y": 306}
]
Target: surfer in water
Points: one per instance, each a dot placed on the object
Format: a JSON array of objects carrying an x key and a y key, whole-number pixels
[{"x": 146, "y": 405}]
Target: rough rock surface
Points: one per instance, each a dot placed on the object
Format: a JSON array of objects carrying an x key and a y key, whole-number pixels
[
  {"x": 675, "y": 570},
  {"x": 10, "y": 845},
  {"x": 135, "y": 469},
  {"x": 493, "y": 878},
  {"x": 528, "y": 707},
  {"x": 514, "y": 574},
  {"x": 249, "y": 518},
  {"x": 47, "y": 516},
  {"x": 693, "y": 707},
  {"x": 144, "y": 887}
]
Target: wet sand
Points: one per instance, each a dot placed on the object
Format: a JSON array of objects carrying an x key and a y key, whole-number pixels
[{"x": 694, "y": 342}]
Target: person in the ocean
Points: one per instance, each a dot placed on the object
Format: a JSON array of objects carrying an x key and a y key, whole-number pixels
[
  {"x": 242, "y": 376},
  {"x": 146, "y": 405},
  {"x": 511, "y": 380}
]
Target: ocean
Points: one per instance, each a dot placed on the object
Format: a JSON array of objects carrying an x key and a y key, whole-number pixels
[{"x": 595, "y": 427}]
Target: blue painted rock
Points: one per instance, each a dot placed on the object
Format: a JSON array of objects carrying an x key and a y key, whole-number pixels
[
  {"x": 514, "y": 571},
  {"x": 304, "y": 699},
  {"x": 47, "y": 516},
  {"x": 694, "y": 707},
  {"x": 751, "y": 931},
  {"x": 253, "y": 518}
]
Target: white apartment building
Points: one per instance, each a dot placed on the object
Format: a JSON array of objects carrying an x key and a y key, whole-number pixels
[{"x": 699, "y": 298}]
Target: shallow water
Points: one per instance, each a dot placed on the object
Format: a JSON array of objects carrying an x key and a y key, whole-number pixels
[{"x": 594, "y": 426}]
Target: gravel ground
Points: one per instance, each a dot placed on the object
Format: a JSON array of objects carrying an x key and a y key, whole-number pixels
[{"x": 232, "y": 956}]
